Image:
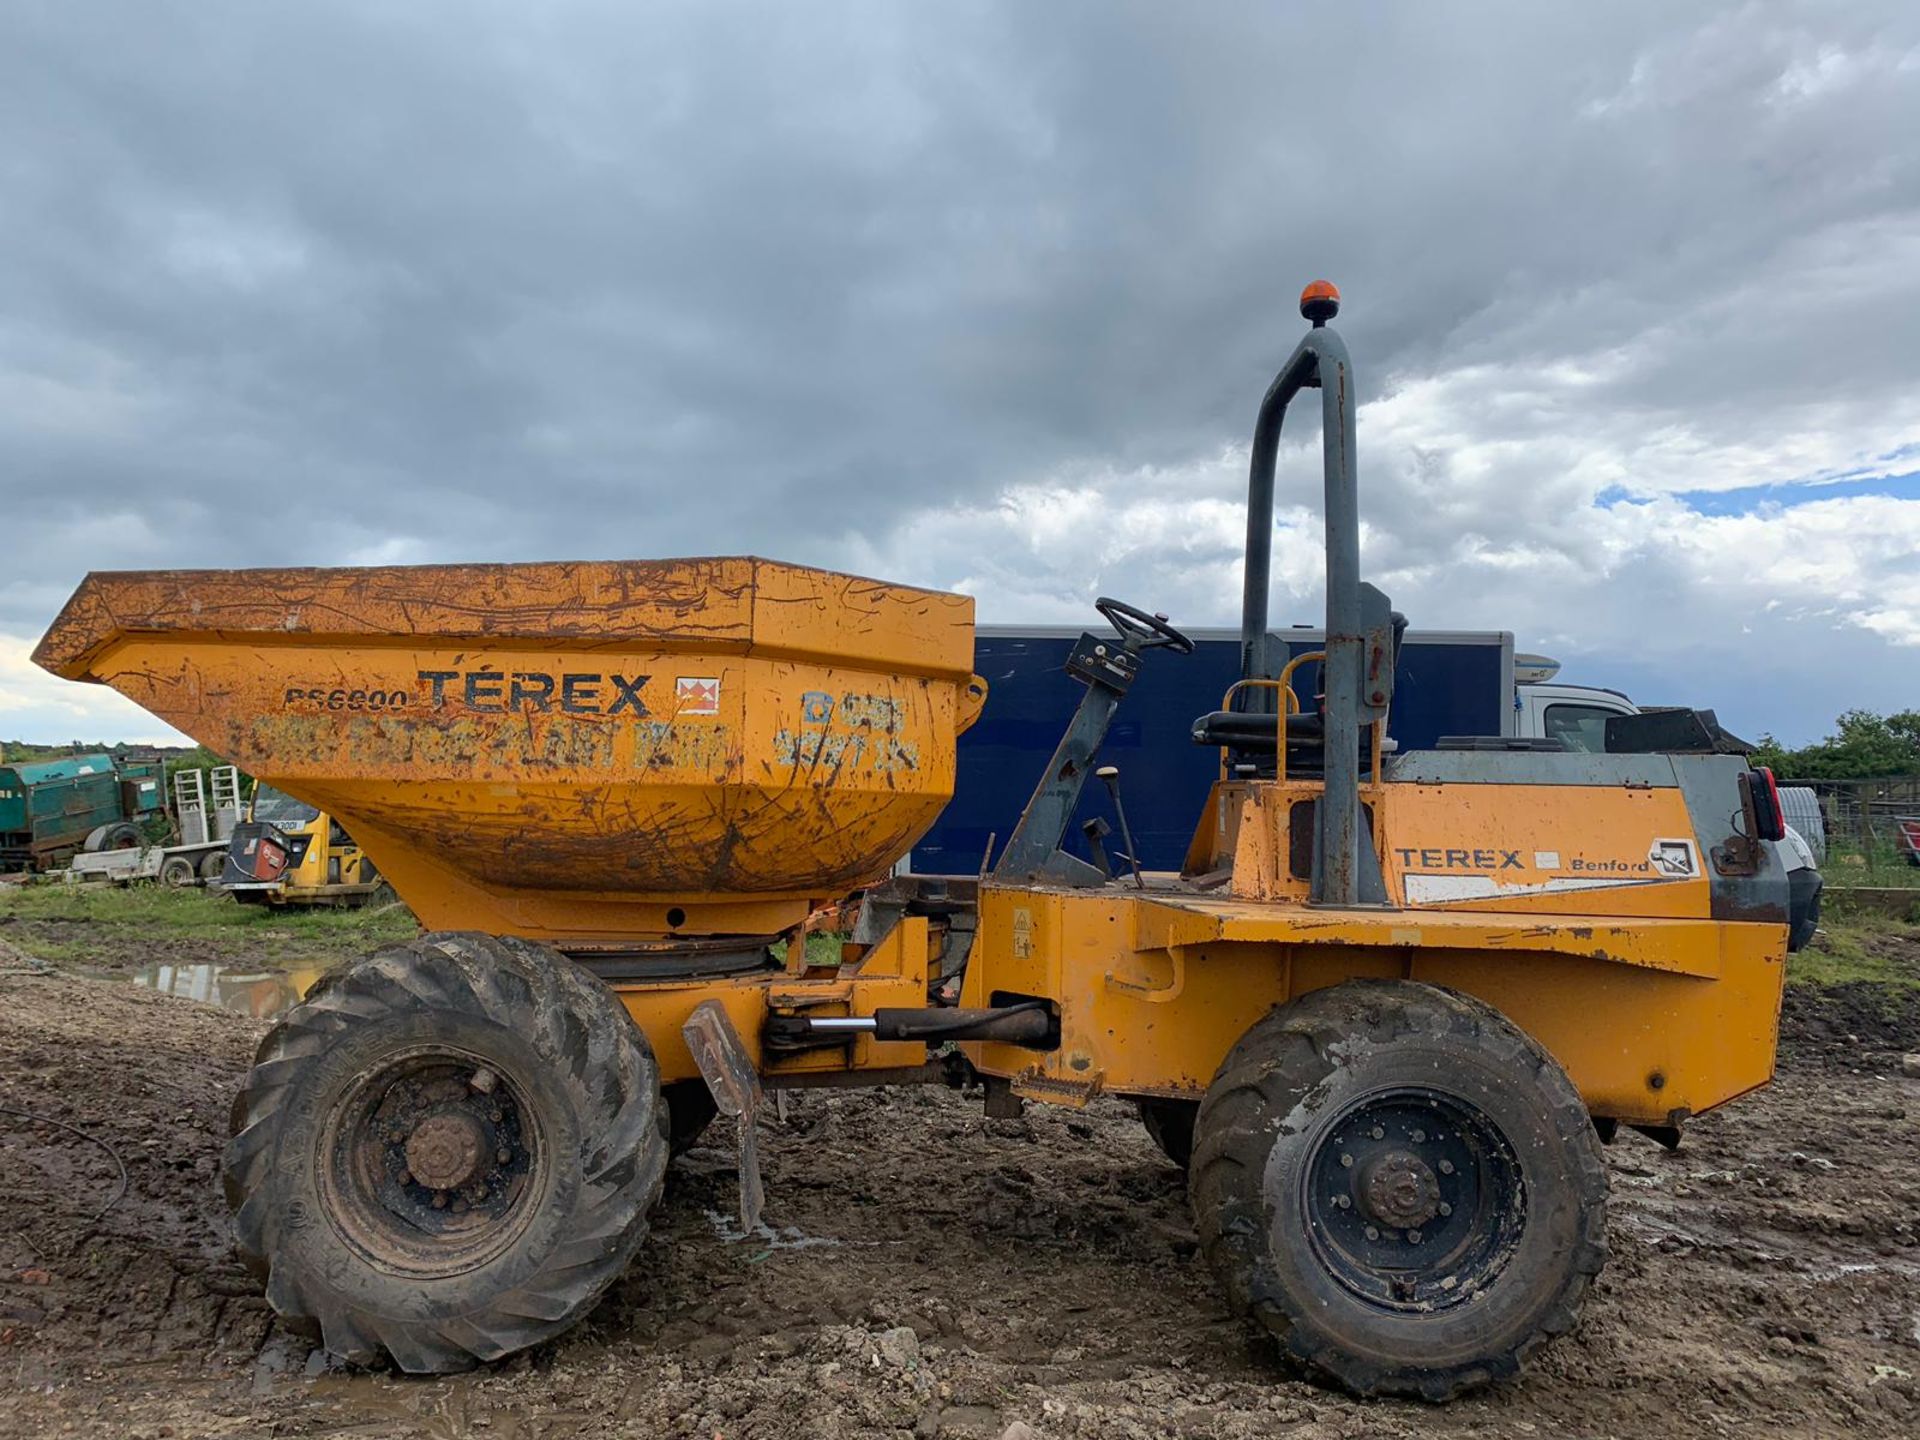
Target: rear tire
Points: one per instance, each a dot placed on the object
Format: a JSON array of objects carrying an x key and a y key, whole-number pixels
[
  {"x": 446, "y": 1153},
  {"x": 1400, "y": 1187},
  {"x": 177, "y": 872},
  {"x": 211, "y": 864}
]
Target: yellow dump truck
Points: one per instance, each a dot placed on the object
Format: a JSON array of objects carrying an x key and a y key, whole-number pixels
[{"x": 1387, "y": 1011}]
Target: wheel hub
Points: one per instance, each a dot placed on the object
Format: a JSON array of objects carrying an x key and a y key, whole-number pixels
[
  {"x": 1414, "y": 1199},
  {"x": 431, "y": 1158},
  {"x": 1401, "y": 1190},
  {"x": 444, "y": 1149}
]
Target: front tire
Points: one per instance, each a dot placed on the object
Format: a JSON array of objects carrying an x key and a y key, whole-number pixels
[
  {"x": 1399, "y": 1186},
  {"x": 446, "y": 1153}
]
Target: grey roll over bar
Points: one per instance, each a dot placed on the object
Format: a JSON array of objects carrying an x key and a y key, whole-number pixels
[{"x": 1345, "y": 869}]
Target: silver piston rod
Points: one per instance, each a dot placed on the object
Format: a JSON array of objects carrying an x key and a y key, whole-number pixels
[{"x": 1028, "y": 1023}]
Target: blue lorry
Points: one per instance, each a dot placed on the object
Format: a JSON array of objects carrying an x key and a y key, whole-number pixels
[{"x": 1449, "y": 682}]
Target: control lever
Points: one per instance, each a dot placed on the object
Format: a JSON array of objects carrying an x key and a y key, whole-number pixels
[
  {"x": 1109, "y": 775},
  {"x": 1096, "y": 830}
]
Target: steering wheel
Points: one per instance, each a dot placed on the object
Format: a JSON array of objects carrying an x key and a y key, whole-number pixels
[{"x": 1134, "y": 624}]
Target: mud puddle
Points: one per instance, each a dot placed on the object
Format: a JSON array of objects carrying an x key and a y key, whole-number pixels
[
  {"x": 766, "y": 1238},
  {"x": 247, "y": 990}
]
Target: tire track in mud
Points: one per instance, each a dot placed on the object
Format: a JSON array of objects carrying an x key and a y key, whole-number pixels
[{"x": 928, "y": 1272}]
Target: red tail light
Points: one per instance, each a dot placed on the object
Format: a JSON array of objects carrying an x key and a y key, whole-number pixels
[{"x": 1770, "y": 817}]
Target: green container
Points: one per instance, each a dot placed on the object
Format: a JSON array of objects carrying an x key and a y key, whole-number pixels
[
  {"x": 143, "y": 788},
  {"x": 49, "y": 806}
]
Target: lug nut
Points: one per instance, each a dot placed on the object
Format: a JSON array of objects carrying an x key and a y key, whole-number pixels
[
  {"x": 1419, "y": 1137},
  {"x": 1346, "y": 1162},
  {"x": 503, "y": 1155},
  {"x": 1445, "y": 1209},
  {"x": 1377, "y": 1133},
  {"x": 1372, "y": 1233},
  {"x": 1446, "y": 1167},
  {"x": 1413, "y": 1237},
  {"x": 439, "y": 1199},
  {"x": 1343, "y": 1202},
  {"x": 406, "y": 1177}
]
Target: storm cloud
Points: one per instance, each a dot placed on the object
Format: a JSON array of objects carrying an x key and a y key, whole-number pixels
[{"x": 984, "y": 297}]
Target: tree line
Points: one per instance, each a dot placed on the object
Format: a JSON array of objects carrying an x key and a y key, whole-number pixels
[{"x": 1863, "y": 746}]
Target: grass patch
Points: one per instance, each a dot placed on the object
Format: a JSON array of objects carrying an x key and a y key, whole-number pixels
[
  {"x": 1841, "y": 906},
  {"x": 1883, "y": 863},
  {"x": 823, "y": 948},
  {"x": 77, "y": 924},
  {"x": 1863, "y": 948}
]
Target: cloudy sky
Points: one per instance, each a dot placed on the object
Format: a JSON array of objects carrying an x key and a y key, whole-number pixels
[{"x": 984, "y": 297}]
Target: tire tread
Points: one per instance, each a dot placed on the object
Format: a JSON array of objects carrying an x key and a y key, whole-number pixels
[
  {"x": 574, "y": 1023},
  {"x": 1232, "y": 1141}
]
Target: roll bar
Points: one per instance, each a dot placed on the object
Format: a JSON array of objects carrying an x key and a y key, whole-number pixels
[{"x": 1345, "y": 871}]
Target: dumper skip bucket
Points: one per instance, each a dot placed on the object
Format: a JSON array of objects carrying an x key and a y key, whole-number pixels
[{"x": 592, "y": 753}]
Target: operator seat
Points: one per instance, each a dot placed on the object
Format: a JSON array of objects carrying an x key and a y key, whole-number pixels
[{"x": 1254, "y": 737}]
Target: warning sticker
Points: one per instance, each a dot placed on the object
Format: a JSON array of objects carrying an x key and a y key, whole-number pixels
[
  {"x": 1022, "y": 933},
  {"x": 1674, "y": 859}
]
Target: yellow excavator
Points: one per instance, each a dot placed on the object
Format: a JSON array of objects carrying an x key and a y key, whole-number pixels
[{"x": 287, "y": 852}]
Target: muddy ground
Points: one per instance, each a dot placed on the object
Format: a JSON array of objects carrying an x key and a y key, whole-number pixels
[{"x": 934, "y": 1273}]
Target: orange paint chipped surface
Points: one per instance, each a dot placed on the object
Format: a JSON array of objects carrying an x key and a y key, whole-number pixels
[{"x": 593, "y": 751}]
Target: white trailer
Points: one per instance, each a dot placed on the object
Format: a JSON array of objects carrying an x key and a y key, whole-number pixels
[{"x": 206, "y": 807}]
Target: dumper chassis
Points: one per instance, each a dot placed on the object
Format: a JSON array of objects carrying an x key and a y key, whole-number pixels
[{"x": 1383, "y": 1015}]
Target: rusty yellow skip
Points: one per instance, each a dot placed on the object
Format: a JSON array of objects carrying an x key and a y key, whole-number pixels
[
  {"x": 580, "y": 752},
  {"x": 1382, "y": 1012}
]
